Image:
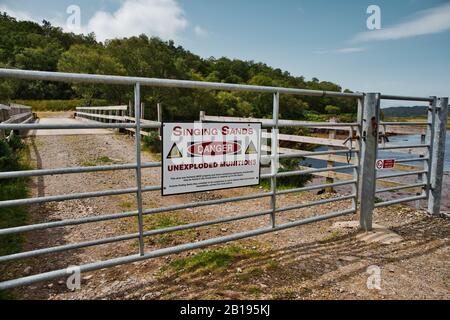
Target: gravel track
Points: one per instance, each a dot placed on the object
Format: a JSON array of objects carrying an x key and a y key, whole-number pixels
[{"x": 308, "y": 262}]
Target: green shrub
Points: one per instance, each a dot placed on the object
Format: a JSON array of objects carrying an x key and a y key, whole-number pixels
[
  {"x": 347, "y": 117},
  {"x": 59, "y": 105},
  {"x": 9, "y": 160},
  {"x": 16, "y": 143},
  {"x": 291, "y": 182},
  {"x": 314, "y": 116},
  {"x": 11, "y": 189},
  {"x": 152, "y": 142},
  {"x": 342, "y": 117},
  {"x": 332, "y": 110}
]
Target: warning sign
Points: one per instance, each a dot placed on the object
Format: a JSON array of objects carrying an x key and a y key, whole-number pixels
[
  {"x": 385, "y": 164},
  {"x": 209, "y": 156},
  {"x": 251, "y": 149},
  {"x": 174, "y": 152}
]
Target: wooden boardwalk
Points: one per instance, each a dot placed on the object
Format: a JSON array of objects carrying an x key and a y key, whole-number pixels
[{"x": 65, "y": 132}]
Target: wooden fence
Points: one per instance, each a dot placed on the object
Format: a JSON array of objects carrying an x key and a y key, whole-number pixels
[
  {"x": 112, "y": 114},
  {"x": 332, "y": 142},
  {"x": 14, "y": 113}
]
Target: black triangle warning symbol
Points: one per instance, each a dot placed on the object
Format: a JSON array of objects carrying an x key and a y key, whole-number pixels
[
  {"x": 174, "y": 152},
  {"x": 251, "y": 149}
]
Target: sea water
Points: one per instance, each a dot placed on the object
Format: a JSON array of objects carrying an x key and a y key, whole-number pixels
[{"x": 393, "y": 140}]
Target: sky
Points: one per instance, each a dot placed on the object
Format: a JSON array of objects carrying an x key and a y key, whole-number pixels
[{"x": 329, "y": 40}]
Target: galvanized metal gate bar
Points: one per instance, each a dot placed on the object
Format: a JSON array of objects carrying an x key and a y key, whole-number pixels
[
  {"x": 429, "y": 140},
  {"x": 433, "y": 157},
  {"x": 153, "y": 82},
  {"x": 166, "y": 251},
  {"x": 361, "y": 128},
  {"x": 274, "y": 162},
  {"x": 137, "y": 112}
]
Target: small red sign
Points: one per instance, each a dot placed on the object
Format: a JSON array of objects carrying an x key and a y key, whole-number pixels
[{"x": 385, "y": 164}]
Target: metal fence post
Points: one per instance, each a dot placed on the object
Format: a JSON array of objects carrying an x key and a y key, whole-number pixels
[
  {"x": 357, "y": 170},
  {"x": 2, "y": 118},
  {"x": 160, "y": 118},
  {"x": 369, "y": 150},
  {"x": 159, "y": 111},
  {"x": 331, "y": 163},
  {"x": 137, "y": 113},
  {"x": 202, "y": 116},
  {"x": 274, "y": 157},
  {"x": 437, "y": 157},
  {"x": 429, "y": 140}
]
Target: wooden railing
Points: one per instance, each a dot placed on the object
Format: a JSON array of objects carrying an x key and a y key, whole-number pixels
[
  {"x": 14, "y": 113},
  {"x": 110, "y": 114},
  {"x": 331, "y": 143}
]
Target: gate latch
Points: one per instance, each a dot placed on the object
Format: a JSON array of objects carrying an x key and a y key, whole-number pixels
[
  {"x": 349, "y": 154},
  {"x": 374, "y": 123},
  {"x": 383, "y": 138}
]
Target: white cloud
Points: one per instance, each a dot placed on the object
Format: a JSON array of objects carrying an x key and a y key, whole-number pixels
[
  {"x": 163, "y": 18},
  {"x": 434, "y": 20},
  {"x": 350, "y": 50},
  {"x": 342, "y": 50},
  {"x": 19, "y": 15},
  {"x": 199, "y": 31}
]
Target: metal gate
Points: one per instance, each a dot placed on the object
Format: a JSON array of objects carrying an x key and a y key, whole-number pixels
[
  {"x": 364, "y": 130},
  {"x": 429, "y": 152}
]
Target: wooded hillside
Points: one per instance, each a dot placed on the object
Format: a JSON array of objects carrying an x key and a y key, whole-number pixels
[{"x": 28, "y": 45}]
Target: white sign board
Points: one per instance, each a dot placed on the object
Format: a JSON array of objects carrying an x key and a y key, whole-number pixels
[{"x": 209, "y": 156}]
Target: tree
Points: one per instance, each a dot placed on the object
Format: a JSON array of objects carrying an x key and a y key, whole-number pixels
[
  {"x": 332, "y": 110},
  {"x": 261, "y": 80},
  {"x": 93, "y": 60},
  {"x": 244, "y": 109},
  {"x": 6, "y": 88},
  {"x": 6, "y": 91},
  {"x": 29, "y": 45},
  {"x": 40, "y": 58}
]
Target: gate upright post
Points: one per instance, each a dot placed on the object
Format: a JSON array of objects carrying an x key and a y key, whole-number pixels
[
  {"x": 429, "y": 140},
  {"x": 2, "y": 118},
  {"x": 357, "y": 170},
  {"x": 137, "y": 114},
  {"x": 437, "y": 157},
  {"x": 330, "y": 163},
  {"x": 369, "y": 150},
  {"x": 274, "y": 157},
  {"x": 159, "y": 111}
]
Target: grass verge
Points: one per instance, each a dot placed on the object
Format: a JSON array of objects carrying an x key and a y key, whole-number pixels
[
  {"x": 12, "y": 158},
  {"x": 216, "y": 260},
  {"x": 99, "y": 161},
  {"x": 161, "y": 221}
]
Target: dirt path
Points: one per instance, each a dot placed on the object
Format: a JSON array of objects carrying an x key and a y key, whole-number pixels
[{"x": 309, "y": 262}]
